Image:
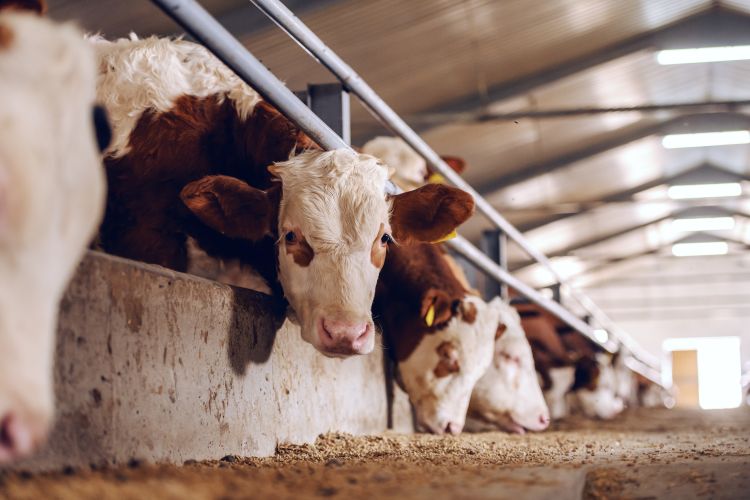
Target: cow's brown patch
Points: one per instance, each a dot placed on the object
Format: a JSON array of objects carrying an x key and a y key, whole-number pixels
[
  {"x": 468, "y": 312},
  {"x": 448, "y": 362},
  {"x": 379, "y": 250},
  {"x": 501, "y": 329},
  {"x": 38, "y": 6},
  {"x": 301, "y": 251},
  {"x": 6, "y": 36}
]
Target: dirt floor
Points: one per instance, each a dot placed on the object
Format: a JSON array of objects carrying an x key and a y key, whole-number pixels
[{"x": 643, "y": 454}]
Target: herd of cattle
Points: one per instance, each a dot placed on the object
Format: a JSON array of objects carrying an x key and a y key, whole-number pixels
[{"x": 195, "y": 166}]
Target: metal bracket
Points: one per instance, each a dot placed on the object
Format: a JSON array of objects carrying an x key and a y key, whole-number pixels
[
  {"x": 331, "y": 103},
  {"x": 494, "y": 243}
]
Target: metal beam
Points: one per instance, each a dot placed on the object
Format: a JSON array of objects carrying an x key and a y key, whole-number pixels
[
  {"x": 624, "y": 195},
  {"x": 626, "y": 135},
  {"x": 620, "y": 232}
]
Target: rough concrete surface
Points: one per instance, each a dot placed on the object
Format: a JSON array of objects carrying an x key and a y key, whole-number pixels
[
  {"x": 643, "y": 454},
  {"x": 164, "y": 367}
]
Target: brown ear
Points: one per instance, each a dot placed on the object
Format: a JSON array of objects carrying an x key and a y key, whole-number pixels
[
  {"x": 439, "y": 303},
  {"x": 429, "y": 213},
  {"x": 232, "y": 207},
  {"x": 38, "y": 6},
  {"x": 456, "y": 163}
]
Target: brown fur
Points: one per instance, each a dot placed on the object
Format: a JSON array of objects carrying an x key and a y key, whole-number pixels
[
  {"x": 448, "y": 363},
  {"x": 413, "y": 278},
  {"x": 501, "y": 329},
  {"x": 301, "y": 251},
  {"x": 469, "y": 312},
  {"x": 6, "y": 36},
  {"x": 379, "y": 251},
  {"x": 38, "y": 6},
  {"x": 176, "y": 156},
  {"x": 429, "y": 213}
]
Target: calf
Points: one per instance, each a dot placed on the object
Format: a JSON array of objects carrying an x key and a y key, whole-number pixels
[
  {"x": 439, "y": 335},
  {"x": 508, "y": 395},
  {"x": 51, "y": 200},
  {"x": 190, "y": 159}
]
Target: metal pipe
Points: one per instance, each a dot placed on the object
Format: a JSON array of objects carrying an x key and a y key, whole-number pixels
[
  {"x": 483, "y": 262},
  {"x": 309, "y": 41}
]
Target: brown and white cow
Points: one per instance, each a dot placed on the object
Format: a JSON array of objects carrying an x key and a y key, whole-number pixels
[
  {"x": 190, "y": 156},
  {"x": 439, "y": 334},
  {"x": 574, "y": 371},
  {"x": 508, "y": 396},
  {"x": 51, "y": 200}
]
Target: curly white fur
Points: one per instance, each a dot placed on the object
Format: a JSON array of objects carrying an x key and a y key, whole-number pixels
[{"x": 151, "y": 73}]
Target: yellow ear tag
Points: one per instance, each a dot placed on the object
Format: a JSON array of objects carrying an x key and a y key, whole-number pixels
[
  {"x": 429, "y": 318},
  {"x": 436, "y": 178},
  {"x": 447, "y": 237}
]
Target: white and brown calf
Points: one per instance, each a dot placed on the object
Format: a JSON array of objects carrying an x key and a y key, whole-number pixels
[
  {"x": 51, "y": 200},
  {"x": 198, "y": 154},
  {"x": 439, "y": 334},
  {"x": 508, "y": 396}
]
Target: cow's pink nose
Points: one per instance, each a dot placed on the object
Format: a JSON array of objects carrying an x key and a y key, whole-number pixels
[
  {"x": 344, "y": 337},
  {"x": 543, "y": 421},
  {"x": 16, "y": 438},
  {"x": 453, "y": 428}
]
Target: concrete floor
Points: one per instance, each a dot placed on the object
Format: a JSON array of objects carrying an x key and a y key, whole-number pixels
[{"x": 644, "y": 454}]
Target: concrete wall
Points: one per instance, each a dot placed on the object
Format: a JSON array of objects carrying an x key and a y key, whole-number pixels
[{"x": 162, "y": 366}]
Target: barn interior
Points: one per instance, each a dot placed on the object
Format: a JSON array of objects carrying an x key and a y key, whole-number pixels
[{"x": 612, "y": 134}]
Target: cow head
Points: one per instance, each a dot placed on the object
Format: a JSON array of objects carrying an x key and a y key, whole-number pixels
[
  {"x": 508, "y": 394},
  {"x": 598, "y": 399},
  {"x": 333, "y": 223},
  {"x": 442, "y": 370},
  {"x": 51, "y": 200}
]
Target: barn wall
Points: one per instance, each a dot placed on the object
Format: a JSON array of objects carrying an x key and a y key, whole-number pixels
[{"x": 164, "y": 367}]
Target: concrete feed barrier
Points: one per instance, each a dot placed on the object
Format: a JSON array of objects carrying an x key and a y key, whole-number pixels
[{"x": 164, "y": 367}]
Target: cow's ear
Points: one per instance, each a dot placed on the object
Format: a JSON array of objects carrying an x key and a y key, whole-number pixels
[
  {"x": 436, "y": 308},
  {"x": 429, "y": 213},
  {"x": 38, "y": 6},
  {"x": 232, "y": 207},
  {"x": 456, "y": 163}
]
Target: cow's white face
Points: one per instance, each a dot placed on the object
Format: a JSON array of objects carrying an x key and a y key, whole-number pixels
[
  {"x": 509, "y": 394},
  {"x": 51, "y": 200},
  {"x": 441, "y": 372},
  {"x": 334, "y": 231}
]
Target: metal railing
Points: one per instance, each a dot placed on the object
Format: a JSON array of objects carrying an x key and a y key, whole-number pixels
[{"x": 204, "y": 28}]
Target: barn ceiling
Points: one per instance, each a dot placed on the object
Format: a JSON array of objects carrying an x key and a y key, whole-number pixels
[{"x": 520, "y": 89}]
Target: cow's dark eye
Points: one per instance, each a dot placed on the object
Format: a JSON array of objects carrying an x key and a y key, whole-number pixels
[
  {"x": 102, "y": 128},
  {"x": 290, "y": 237},
  {"x": 386, "y": 239}
]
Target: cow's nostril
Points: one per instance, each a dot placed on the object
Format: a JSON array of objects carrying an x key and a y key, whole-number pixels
[
  {"x": 453, "y": 428},
  {"x": 543, "y": 419},
  {"x": 15, "y": 438}
]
